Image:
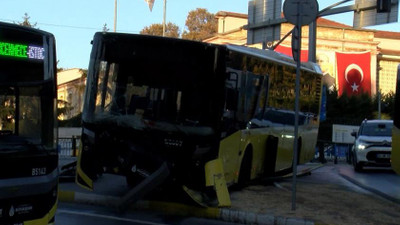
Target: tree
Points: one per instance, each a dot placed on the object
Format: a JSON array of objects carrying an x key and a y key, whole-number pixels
[
  {"x": 105, "y": 28},
  {"x": 387, "y": 105},
  {"x": 349, "y": 110},
  {"x": 26, "y": 22},
  {"x": 63, "y": 108},
  {"x": 171, "y": 30},
  {"x": 200, "y": 24}
]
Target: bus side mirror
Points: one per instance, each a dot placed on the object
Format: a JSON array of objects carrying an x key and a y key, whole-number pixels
[{"x": 354, "y": 134}]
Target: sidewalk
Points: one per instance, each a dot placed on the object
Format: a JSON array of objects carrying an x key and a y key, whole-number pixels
[
  {"x": 323, "y": 197},
  {"x": 110, "y": 188}
]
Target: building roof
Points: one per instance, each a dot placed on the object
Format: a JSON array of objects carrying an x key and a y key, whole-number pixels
[
  {"x": 330, "y": 23},
  {"x": 69, "y": 75},
  {"x": 387, "y": 34},
  {"x": 231, "y": 14},
  {"x": 322, "y": 22}
]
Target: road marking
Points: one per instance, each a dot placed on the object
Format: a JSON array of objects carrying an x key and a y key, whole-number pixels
[{"x": 108, "y": 217}]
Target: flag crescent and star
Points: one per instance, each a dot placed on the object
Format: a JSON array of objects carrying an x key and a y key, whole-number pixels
[{"x": 354, "y": 70}]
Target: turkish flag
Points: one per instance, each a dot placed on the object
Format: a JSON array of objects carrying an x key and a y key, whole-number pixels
[
  {"x": 288, "y": 51},
  {"x": 354, "y": 72}
]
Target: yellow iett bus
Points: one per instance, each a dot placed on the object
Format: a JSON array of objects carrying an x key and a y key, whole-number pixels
[
  {"x": 395, "y": 156},
  {"x": 192, "y": 114},
  {"x": 28, "y": 131}
]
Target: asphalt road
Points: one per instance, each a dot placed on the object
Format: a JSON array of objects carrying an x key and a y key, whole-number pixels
[
  {"x": 381, "y": 181},
  {"x": 78, "y": 214}
]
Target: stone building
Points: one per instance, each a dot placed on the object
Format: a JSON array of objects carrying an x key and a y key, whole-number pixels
[
  {"x": 332, "y": 37},
  {"x": 70, "y": 90}
]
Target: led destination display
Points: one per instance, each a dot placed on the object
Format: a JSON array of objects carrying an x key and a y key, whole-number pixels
[{"x": 21, "y": 51}]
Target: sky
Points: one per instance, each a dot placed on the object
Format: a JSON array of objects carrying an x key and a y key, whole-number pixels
[{"x": 74, "y": 22}]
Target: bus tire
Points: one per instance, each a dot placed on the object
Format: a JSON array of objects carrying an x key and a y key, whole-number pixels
[
  {"x": 299, "y": 144},
  {"x": 245, "y": 169},
  {"x": 270, "y": 157}
]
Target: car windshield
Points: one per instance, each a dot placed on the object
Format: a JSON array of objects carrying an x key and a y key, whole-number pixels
[{"x": 377, "y": 129}]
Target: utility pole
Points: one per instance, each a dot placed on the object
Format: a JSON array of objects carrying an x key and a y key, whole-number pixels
[
  {"x": 115, "y": 16},
  {"x": 164, "y": 17}
]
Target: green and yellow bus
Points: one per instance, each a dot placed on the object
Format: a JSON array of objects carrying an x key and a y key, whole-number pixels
[
  {"x": 208, "y": 115},
  {"x": 28, "y": 134},
  {"x": 395, "y": 156}
]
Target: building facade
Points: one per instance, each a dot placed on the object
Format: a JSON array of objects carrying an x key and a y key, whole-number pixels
[
  {"x": 332, "y": 38},
  {"x": 70, "y": 90}
]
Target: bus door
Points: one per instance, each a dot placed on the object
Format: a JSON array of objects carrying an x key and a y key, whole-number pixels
[
  {"x": 253, "y": 137},
  {"x": 230, "y": 136}
]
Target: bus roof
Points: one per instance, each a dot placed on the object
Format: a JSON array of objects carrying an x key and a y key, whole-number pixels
[
  {"x": 27, "y": 29},
  {"x": 274, "y": 56},
  {"x": 261, "y": 53}
]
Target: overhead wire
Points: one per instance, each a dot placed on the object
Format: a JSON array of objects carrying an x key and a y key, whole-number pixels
[{"x": 67, "y": 26}]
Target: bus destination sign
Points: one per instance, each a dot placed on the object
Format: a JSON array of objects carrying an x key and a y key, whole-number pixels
[{"x": 21, "y": 51}]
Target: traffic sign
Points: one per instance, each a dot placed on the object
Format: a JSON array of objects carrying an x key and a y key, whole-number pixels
[
  {"x": 264, "y": 21},
  {"x": 367, "y": 13},
  {"x": 304, "y": 10}
]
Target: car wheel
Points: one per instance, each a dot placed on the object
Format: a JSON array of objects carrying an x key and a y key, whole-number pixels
[{"x": 357, "y": 166}]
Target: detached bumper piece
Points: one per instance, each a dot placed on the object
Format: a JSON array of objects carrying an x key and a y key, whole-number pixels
[{"x": 147, "y": 185}]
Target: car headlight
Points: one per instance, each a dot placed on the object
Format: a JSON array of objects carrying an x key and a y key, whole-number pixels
[{"x": 361, "y": 146}]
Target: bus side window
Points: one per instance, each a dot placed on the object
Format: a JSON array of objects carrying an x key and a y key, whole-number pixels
[
  {"x": 231, "y": 91},
  {"x": 137, "y": 102},
  {"x": 231, "y": 99}
]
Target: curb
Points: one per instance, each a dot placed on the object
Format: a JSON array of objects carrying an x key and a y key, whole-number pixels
[{"x": 179, "y": 209}]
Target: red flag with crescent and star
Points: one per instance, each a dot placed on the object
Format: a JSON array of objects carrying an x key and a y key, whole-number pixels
[{"x": 353, "y": 72}]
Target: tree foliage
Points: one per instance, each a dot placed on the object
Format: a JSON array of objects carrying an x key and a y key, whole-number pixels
[
  {"x": 171, "y": 30},
  {"x": 353, "y": 110},
  {"x": 200, "y": 24},
  {"x": 387, "y": 105}
]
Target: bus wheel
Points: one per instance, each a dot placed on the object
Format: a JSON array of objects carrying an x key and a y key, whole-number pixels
[
  {"x": 270, "y": 157},
  {"x": 245, "y": 169}
]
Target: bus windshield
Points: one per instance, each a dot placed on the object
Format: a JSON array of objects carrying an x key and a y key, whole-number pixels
[
  {"x": 21, "y": 114},
  {"x": 133, "y": 97},
  {"x": 27, "y": 87}
]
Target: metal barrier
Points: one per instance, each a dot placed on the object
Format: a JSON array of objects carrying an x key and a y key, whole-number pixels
[
  {"x": 68, "y": 147},
  {"x": 67, "y": 153}
]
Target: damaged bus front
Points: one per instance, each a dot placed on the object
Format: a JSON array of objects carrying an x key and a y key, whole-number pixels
[{"x": 149, "y": 110}]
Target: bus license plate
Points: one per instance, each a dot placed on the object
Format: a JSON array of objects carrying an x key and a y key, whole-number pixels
[{"x": 383, "y": 156}]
